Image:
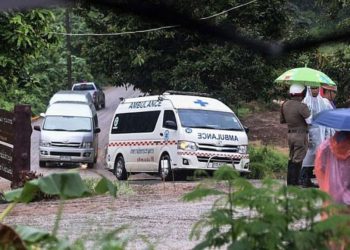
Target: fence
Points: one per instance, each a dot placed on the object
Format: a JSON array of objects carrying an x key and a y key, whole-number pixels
[{"x": 15, "y": 132}]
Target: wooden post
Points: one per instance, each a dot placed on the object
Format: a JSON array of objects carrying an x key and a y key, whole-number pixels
[{"x": 21, "y": 144}]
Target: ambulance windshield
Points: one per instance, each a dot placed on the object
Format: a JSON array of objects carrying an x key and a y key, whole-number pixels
[{"x": 193, "y": 118}]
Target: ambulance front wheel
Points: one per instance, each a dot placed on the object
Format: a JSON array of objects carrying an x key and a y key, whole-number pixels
[
  {"x": 119, "y": 168},
  {"x": 165, "y": 171}
]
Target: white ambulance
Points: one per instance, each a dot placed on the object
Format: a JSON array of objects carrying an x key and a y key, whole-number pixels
[{"x": 172, "y": 132}]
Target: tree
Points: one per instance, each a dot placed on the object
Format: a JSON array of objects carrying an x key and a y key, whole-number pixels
[
  {"x": 181, "y": 60},
  {"x": 23, "y": 35}
]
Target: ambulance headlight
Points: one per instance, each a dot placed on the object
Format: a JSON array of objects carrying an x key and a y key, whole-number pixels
[
  {"x": 45, "y": 144},
  {"x": 242, "y": 149},
  {"x": 187, "y": 145},
  {"x": 86, "y": 145}
]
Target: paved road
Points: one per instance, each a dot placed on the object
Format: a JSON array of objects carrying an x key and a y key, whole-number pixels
[{"x": 105, "y": 116}]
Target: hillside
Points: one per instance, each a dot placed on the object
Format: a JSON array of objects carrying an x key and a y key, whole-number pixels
[{"x": 265, "y": 128}]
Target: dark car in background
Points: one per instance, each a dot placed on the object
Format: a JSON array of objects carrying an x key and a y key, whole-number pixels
[{"x": 95, "y": 91}]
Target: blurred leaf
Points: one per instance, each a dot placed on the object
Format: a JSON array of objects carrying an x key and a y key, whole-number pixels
[
  {"x": 32, "y": 235},
  {"x": 9, "y": 239},
  {"x": 105, "y": 185},
  {"x": 65, "y": 185}
]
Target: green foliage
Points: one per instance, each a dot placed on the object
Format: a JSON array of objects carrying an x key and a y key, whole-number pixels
[
  {"x": 243, "y": 112},
  {"x": 33, "y": 235},
  {"x": 66, "y": 186},
  {"x": 122, "y": 187},
  {"x": 33, "y": 60},
  {"x": 270, "y": 216},
  {"x": 266, "y": 162},
  {"x": 24, "y": 36},
  {"x": 112, "y": 240},
  {"x": 243, "y": 109},
  {"x": 181, "y": 60},
  {"x": 335, "y": 62}
]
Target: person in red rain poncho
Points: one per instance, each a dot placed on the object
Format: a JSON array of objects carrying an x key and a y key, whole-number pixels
[
  {"x": 332, "y": 170},
  {"x": 332, "y": 167}
]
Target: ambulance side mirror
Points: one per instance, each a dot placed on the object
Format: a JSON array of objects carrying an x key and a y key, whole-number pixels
[
  {"x": 170, "y": 125},
  {"x": 246, "y": 129},
  {"x": 37, "y": 128}
]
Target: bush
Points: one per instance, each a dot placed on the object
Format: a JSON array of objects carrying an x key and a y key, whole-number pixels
[
  {"x": 266, "y": 162},
  {"x": 123, "y": 188},
  {"x": 271, "y": 216}
]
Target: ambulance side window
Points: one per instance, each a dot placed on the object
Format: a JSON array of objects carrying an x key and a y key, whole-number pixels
[
  {"x": 140, "y": 122},
  {"x": 169, "y": 120}
]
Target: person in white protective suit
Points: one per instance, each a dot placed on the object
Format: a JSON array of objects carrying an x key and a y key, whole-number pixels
[{"x": 317, "y": 134}]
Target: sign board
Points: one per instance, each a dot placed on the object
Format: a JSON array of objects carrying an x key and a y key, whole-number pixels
[{"x": 15, "y": 132}]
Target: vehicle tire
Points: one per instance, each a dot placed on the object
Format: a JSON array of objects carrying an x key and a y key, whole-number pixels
[
  {"x": 42, "y": 164},
  {"x": 103, "y": 104},
  {"x": 165, "y": 173},
  {"x": 119, "y": 168},
  {"x": 90, "y": 164}
]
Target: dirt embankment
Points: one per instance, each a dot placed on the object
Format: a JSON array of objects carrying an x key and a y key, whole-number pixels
[{"x": 265, "y": 128}]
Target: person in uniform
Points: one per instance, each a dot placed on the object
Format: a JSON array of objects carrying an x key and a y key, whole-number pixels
[
  {"x": 297, "y": 116},
  {"x": 316, "y": 103}
]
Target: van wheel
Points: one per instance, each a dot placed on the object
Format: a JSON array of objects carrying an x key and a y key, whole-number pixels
[
  {"x": 165, "y": 171},
  {"x": 90, "y": 165},
  {"x": 42, "y": 164},
  {"x": 119, "y": 168},
  {"x": 104, "y": 104}
]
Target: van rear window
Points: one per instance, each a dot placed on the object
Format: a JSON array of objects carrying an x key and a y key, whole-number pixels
[
  {"x": 140, "y": 122},
  {"x": 83, "y": 87}
]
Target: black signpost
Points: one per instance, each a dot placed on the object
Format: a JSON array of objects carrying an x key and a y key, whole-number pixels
[{"x": 15, "y": 132}]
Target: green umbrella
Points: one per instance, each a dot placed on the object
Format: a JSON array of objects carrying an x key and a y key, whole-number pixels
[{"x": 305, "y": 76}]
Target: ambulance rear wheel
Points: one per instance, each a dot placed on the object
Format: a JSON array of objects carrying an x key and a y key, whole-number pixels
[
  {"x": 119, "y": 168},
  {"x": 165, "y": 171}
]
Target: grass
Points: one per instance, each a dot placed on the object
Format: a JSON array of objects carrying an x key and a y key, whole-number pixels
[
  {"x": 244, "y": 109},
  {"x": 265, "y": 161},
  {"x": 123, "y": 187}
]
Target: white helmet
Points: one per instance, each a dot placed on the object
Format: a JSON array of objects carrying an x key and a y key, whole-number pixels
[{"x": 296, "y": 89}]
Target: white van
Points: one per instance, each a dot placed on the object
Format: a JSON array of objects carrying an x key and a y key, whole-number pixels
[
  {"x": 75, "y": 97},
  {"x": 71, "y": 96},
  {"x": 69, "y": 134},
  {"x": 174, "y": 132}
]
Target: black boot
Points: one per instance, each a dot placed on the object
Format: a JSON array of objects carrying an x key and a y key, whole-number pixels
[
  {"x": 310, "y": 175},
  {"x": 289, "y": 173},
  {"x": 293, "y": 173},
  {"x": 304, "y": 177},
  {"x": 296, "y": 176}
]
